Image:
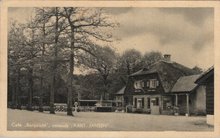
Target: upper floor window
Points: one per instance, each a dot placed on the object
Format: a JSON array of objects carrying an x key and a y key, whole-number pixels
[
  {"x": 138, "y": 84},
  {"x": 153, "y": 83}
]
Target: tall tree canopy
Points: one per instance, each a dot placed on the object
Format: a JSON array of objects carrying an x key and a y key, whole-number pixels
[
  {"x": 54, "y": 40},
  {"x": 103, "y": 61},
  {"x": 152, "y": 57},
  {"x": 130, "y": 61}
]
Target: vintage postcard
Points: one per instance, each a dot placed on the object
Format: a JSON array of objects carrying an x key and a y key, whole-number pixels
[{"x": 110, "y": 68}]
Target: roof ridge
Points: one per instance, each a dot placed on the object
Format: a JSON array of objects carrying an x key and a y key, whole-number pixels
[
  {"x": 191, "y": 75},
  {"x": 183, "y": 66}
]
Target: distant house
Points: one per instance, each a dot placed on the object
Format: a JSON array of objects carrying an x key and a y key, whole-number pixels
[
  {"x": 162, "y": 86},
  {"x": 207, "y": 79},
  {"x": 119, "y": 97}
]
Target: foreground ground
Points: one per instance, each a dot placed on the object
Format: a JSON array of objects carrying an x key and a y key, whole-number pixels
[{"x": 27, "y": 120}]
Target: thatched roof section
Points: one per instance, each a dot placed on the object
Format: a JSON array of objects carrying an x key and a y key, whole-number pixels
[
  {"x": 169, "y": 72},
  {"x": 185, "y": 84}
]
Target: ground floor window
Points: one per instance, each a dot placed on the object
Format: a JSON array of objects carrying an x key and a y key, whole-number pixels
[
  {"x": 148, "y": 102},
  {"x": 139, "y": 102},
  {"x": 167, "y": 103}
]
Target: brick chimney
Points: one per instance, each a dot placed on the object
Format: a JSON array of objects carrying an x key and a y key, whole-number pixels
[{"x": 167, "y": 57}]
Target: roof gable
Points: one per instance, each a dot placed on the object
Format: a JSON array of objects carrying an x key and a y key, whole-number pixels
[
  {"x": 205, "y": 75},
  {"x": 169, "y": 73}
]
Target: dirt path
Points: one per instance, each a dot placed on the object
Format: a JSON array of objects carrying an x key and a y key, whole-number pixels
[{"x": 26, "y": 120}]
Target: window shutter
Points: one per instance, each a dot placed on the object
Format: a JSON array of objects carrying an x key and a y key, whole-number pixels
[
  {"x": 157, "y": 101},
  {"x": 157, "y": 83},
  {"x": 142, "y": 83},
  {"x": 136, "y": 85},
  {"x": 135, "y": 102},
  {"x": 139, "y": 84},
  {"x": 148, "y": 83},
  {"x": 142, "y": 102},
  {"x": 148, "y": 102}
]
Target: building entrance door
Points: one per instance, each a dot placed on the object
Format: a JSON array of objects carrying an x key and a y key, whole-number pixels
[
  {"x": 139, "y": 102},
  {"x": 155, "y": 110}
]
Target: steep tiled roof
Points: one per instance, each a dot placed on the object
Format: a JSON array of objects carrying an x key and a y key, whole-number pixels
[
  {"x": 185, "y": 84},
  {"x": 169, "y": 72}
]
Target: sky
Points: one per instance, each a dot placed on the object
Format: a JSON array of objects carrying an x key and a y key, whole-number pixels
[{"x": 185, "y": 33}]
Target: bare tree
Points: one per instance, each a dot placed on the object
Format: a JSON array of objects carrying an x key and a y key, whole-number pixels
[
  {"x": 130, "y": 61},
  {"x": 51, "y": 20},
  {"x": 57, "y": 36},
  {"x": 41, "y": 20},
  {"x": 87, "y": 26},
  {"x": 152, "y": 57},
  {"x": 103, "y": 61},
  {"x": 23, "y": 50},
  {"x": 32, "y": 48},
  {"x": 15, "y": 59}
]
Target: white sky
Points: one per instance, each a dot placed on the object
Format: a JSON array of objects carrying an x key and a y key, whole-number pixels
[{"x": 185, "y": 33}]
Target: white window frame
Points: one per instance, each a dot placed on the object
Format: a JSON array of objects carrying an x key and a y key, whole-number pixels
[
  {"x": 153, "y": 83},
  {"x": 138, "y": 84}
]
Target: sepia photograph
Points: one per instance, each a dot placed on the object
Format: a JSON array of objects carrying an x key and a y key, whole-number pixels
[
  {"x": 130, "y": 69},
  {"x": 107, "y": 68}
]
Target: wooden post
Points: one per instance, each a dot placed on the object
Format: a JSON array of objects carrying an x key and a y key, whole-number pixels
[
  {"x": 187, "y": 104},
  {"x": 122, "y": 101},
  {"x": 176, "y": 101}
]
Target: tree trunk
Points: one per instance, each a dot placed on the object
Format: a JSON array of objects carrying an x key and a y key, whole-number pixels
[
  {"x": 41, "y": 68},
  {"x": 41, "y": 95},
  {"x": 105, "y": 87},
  {"x": 18, "y": 106},
  {"x": 71, "y": 63},
  {"x": 30, "y": 78},
  {"x": 70, "y": 90},
  {"x": 30, "y": 91},
  {"x": 16, "y": 93},
  {"x": 53, "y": 89},
  {"x": 13, "y": 93},
  {"x": 71, "y": 69}
]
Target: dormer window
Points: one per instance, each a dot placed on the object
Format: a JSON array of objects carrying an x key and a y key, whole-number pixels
[
  {"x": 138, "y": 84},
  {"x": 153, "y": 83}
]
